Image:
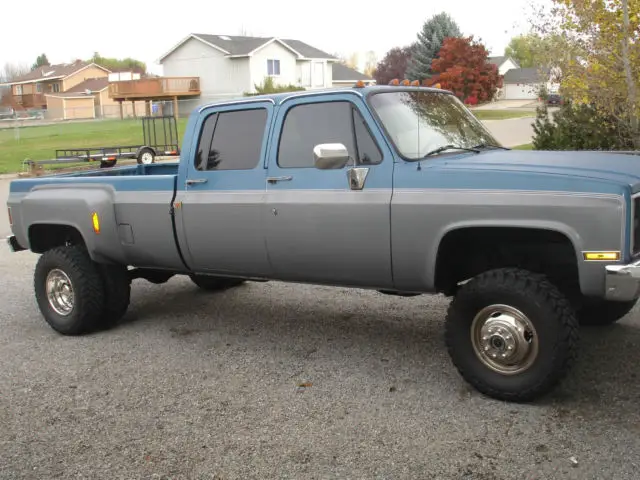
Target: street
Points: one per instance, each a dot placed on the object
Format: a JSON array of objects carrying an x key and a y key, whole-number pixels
[
  {"x": 512, "y": 132},
  {"x": 195, "y": 385}
]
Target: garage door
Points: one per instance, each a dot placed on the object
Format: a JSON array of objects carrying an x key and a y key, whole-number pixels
[{"x": 521, "y": 91}]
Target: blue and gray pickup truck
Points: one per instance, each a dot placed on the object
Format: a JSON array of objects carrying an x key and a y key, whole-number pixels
[{"x": 398, "y": 189}]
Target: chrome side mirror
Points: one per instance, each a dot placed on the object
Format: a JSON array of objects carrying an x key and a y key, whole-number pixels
[{"x": 330, "y": 156}]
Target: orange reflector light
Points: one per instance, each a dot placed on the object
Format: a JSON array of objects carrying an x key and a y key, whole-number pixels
[
  {"x": 395, "y": 81},
  {"x": 404, "y": 82},
  {"x": 415, "y": 83},
  {"x": 437, "y": 85},
  {"x": 359, "y": 84},
  {"x": 96, "y": 222}
]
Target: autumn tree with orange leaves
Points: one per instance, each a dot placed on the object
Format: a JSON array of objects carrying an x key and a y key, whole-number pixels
[{"x": 463, "y": 67}]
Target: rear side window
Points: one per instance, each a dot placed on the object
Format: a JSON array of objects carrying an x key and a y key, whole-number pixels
[
  {"x": 231, "y": 140},
  {"x": 308, "y": 125}
]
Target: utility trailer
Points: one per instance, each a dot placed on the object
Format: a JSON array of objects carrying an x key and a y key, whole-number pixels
[{"x": 160, "y": 138}]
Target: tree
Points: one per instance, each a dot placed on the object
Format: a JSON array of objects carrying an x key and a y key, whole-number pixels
[
  {"x": 393, "y": 65},
  {"x": 462, "y": 67},
  {"x": 428, "y": 44},
  {"x": 120, "y": 65},
  {"x": 41, "y": 61},
  {"x": 534, "y": 50},
  {"x": 601, "y": 62},
  {"x": 11, "y": 71},
  {"x": 370, "y": 62}
]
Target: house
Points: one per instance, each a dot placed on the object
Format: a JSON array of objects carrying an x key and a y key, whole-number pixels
[
  {"x": 504, "y": 63},
  {"x": 30, "y": 90},
  {"x": 229, "y": 66},
  {"x": 525, "y": 83},
  {"x": 89, "y": 99},
  {"x": 343, "y": 75}
]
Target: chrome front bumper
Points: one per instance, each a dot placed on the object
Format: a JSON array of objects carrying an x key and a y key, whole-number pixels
[
  {"x": 14, "y": 246},
  {"x": 623, "y": 282}
]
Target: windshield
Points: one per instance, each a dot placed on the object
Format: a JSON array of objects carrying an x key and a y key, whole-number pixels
[{"x": 420, "y": 122}]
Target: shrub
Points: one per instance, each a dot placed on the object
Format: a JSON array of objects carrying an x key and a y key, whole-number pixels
[
  {"x": 268, "y": 86},
  {"x": 578, "y": 127}
]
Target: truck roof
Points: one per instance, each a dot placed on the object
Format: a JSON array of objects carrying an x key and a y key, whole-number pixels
[{"x": 278, "y": 98}]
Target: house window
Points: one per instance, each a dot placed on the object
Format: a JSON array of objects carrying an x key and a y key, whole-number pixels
[
  {"x": 55, "y": 88},
  {"x": 273, "y": 67},
  {"x": 18, "y": 89},
  {"x": 39, "y": 87}
]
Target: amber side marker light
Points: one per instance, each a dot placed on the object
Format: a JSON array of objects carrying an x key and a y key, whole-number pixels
[
  {"x": 612, "y": 256},
  {"x": 96, "y": 222}
]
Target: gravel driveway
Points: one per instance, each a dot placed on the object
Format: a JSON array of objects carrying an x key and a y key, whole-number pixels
[{"x": 196, "y": 385}]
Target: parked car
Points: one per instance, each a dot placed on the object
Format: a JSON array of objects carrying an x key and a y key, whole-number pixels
[
  {"x": 398, "y": 189},
  {"x": 554, "y": 99}
]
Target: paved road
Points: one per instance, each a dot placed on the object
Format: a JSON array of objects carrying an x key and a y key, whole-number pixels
[
  {"x": 512, "y": 132},
  {"x": 194, "y": 385}
]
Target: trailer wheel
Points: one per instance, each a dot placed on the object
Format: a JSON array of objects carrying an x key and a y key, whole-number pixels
[
  {"x": 511, "y": 334},
  {"x": 146, "y": 156},
  {"x": 69, "y": 290}
]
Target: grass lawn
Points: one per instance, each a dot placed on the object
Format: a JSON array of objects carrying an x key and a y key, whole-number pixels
[
  {"x": 502, "y": 114},
  {"x": 40, "y": 142},
  {"x": 526, "y": 146}
]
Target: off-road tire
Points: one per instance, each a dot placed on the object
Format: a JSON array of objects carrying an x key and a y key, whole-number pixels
[
  {"x": 215, "y": 284},
  {"x": 86, "y": 282},
  {"x": 545, "y": 307},
  {"x": 600, "y": 313},
  {"x": 117, "y": 292}
]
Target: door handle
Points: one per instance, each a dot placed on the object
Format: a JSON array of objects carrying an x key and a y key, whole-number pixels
[
  {"x": 193, "y": 181},
  {"x": 279, "y": 179}
]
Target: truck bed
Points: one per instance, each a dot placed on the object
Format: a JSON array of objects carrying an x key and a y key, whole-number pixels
[{"x": 137, "y": 198}]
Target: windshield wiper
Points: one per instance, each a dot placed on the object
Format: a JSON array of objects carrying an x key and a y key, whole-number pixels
[
  {"x": 451, "y": 147},
  {"x": 490, "y": 145}
]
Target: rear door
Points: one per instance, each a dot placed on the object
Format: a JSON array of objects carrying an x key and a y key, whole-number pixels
[
  {"x": 221, "y": 200},
  {"x": 329, "y": 226}
]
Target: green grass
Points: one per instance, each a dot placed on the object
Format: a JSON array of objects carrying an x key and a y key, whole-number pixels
[
  {"x": 40, "y": 142},
  {"x": 526, "y": 146},
  {"x": 502, "y": 114}
]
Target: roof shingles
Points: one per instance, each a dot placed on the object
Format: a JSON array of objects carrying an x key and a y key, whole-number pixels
[
  {"x": 342, "y": 73},
  {"x": 240, "y": 45},
  {"x": 51, "y": 71}
]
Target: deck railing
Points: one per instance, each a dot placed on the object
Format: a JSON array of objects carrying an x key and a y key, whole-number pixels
[{"x": 155, "y": 87}]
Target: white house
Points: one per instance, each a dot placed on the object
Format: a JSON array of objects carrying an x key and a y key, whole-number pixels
[
  {"x": 229, "y": 66},
  {"x": 504, "y": 63},
  {"x": 526, "y": 83}
]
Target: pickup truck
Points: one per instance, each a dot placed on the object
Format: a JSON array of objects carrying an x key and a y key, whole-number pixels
[{"x": 394, "y": 188}]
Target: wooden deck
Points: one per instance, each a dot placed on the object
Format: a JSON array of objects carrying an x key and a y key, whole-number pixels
[
  {"x": 155, "y": 88},
  {"x": 29, "y": 100}
]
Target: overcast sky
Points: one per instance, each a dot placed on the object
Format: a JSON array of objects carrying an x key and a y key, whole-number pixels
[{"x": 143, "y": 30}]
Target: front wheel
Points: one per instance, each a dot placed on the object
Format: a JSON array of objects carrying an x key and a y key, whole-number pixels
[
  {"x": 69, "y": 290},
  {"x": 511, "y": 334}
]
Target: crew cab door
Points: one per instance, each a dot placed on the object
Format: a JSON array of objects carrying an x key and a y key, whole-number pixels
[
  {"x": 221, "y": 197},
  {"x": 329, "y": 226}
]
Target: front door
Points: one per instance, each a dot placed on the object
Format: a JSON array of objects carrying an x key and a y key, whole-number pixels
[
  {"x": 221, "y": 197},
  {"x": 329, "y": 226}
]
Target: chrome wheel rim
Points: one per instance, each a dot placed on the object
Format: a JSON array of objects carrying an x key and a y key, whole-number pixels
[
  {"x": 59, "y": 292},
  {"x": 504, "y": 339},
  {"x": 147, "y": 158}
]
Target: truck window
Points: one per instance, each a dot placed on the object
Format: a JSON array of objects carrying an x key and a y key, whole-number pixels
[
  {"x": 309, "y": 124},
  {"x": 367, "y": 149},
  {"x": 231, "y": 140}
]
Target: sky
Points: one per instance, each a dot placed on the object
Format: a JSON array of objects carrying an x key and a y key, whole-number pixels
[{"x": 142, "y": 30}]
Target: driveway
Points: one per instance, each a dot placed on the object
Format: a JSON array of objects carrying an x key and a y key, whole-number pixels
[{"x": 195, "y": 385}]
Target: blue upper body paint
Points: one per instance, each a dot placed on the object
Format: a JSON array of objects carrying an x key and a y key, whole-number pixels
[{"x": 588, "y": 172}]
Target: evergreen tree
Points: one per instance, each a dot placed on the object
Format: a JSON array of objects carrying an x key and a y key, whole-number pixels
[{"x": 429, "y": 42}]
